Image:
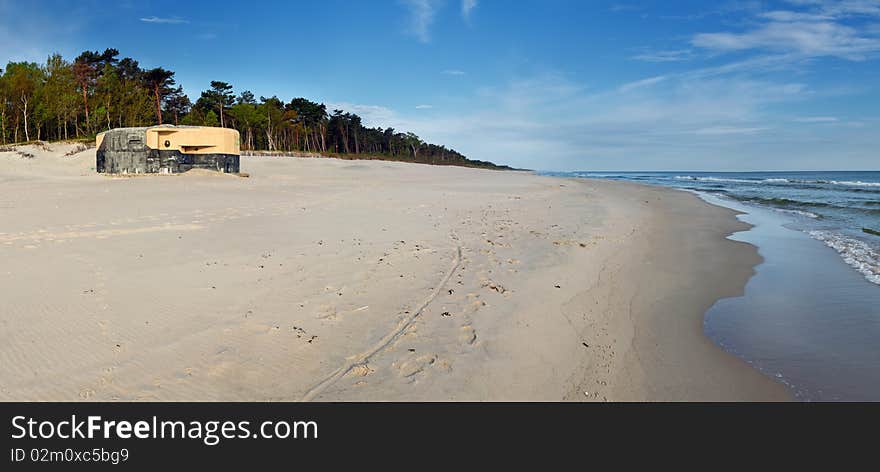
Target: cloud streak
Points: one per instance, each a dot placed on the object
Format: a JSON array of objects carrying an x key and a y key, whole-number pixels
[
  {"x": 817, "y": 31},
  {"x": 807, "y": 38},
  {"x": 665, "y": 56},
  {"x": 817, "y": 119},
  {"x": 467, "y": 6},
  {"x": 169, "y": 21},
  {"x": 641, "y": 83},
  {"x": 421, "y": 17}
]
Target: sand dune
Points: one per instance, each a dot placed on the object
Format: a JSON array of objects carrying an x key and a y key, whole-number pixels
[{"x": 322, "y": 279}]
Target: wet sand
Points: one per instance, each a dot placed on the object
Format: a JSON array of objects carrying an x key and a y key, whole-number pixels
[
  {"x": 323, "y": 279},
  {"x": 806, "y": 318}
]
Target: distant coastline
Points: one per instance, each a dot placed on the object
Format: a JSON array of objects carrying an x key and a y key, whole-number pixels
[{"x": 381, "y": 157}]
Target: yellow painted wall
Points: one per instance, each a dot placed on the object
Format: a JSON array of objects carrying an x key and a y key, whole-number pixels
[
  {"x": 197, "y": 140},
  {"x": 201, "y": 140}
]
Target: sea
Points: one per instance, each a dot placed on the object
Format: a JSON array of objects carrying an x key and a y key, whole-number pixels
[{"x": 810, "y": 316}]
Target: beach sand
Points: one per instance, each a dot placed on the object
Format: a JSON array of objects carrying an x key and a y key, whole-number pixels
[{"x": 324, "y": 279}]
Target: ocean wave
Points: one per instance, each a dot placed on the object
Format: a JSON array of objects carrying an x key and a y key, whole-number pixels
[
  {"x": 857, "y": 254},
  {"x": 808, "y": 214},
  {"x": 715, "y": 179},
  {"x": 585, "y": 175},
  {"x": 854, "y": 183},
  {"x": 802, "y": 207},
  {"x": 779, "y": 180},
  {"x": 783, "y": 202}
]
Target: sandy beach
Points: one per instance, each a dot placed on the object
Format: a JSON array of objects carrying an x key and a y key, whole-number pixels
[{"x": 335, "y": 280}]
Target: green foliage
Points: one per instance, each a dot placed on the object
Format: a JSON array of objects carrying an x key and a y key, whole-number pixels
[
  {"x": 210, "y": 119},
  {"x": 160, "y": 82}
]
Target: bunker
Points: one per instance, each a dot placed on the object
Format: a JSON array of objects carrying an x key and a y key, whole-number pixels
[{"x": 167, "y": 149}]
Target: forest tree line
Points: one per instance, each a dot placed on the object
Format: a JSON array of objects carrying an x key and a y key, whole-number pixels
[{"x": 97, "y": 91}]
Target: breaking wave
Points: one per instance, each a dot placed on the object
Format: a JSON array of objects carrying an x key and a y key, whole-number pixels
[
  {"x": 808, "y": 214},
  {"x": 846, "y": 183},
  {"x": 854, "y": 252}
]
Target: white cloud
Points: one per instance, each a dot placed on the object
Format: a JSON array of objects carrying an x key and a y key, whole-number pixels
[
  {"x": 372, "y": 115},
  {"x": 818, "y": 29},
  {"x": 782, "y": 15},
  {"x": 622, "y": 7},
  {"x": 172, "y": 20},
  {"x": 421, "y": 16},
  {"x": 424, "y": 107},
  {"x": 665, "y": 56},
  {"x": 807, "y": 38},
  {"x": 720, "y": 130},
  {"x": 466, "y": 7},
  {"x": 453, "y": 72},
  {"x": 817, "y": 119},
  {"x": 641, "y": 83},
  {"x": 842, "y": 8}
]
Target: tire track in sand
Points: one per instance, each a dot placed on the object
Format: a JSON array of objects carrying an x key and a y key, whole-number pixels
[{"x": 362, "y": 358}]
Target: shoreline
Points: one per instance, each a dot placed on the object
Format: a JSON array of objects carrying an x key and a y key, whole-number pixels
[
  {"x": 362, "y": 280},
  {"x": 700, "y": 267},
  {"x": 816, "y": 338}
]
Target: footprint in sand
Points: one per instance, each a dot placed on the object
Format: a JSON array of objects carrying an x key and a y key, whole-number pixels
[
  {"x": 491, "y": 285},
  {"x": 467, "y": 335},
  {"x": 361, "y": 370},
  {"x": 413, "y": 366},
  {"x": 326, "y": 312},
  {"x": 476, "y": 305}
]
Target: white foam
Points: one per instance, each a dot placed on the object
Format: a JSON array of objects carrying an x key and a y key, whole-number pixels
[
  {"x": 857, "y": 254},
  {"x": 808, "y": 214},
  {"x": 846, "y": 183},
  {"x": 714, "y": 179},
  {"x": 855, "y": 183}
]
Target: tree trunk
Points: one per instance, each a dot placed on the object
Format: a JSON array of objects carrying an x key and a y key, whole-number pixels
[
  {"x": 27, "y": 136},
  {"x": 269, "y": 140},
  {"x": 86, "y": 101},
  {"x": 158, "y": 103}
]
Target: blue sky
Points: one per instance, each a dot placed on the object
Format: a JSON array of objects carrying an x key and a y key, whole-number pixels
[{"x": 552, "y": 84}]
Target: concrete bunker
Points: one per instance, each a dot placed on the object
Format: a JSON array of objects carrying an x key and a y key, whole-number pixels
[{"x": 167, "y": 149}]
